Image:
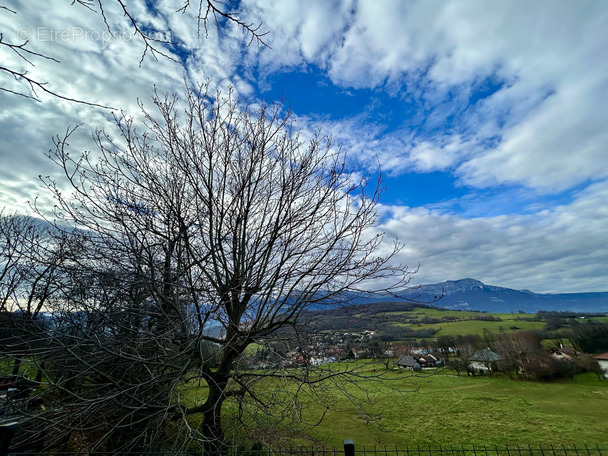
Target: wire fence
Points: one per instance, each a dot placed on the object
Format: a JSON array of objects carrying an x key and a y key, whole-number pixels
[
  {"x": 350, "y": 449},
  {"x": 485, "y": 450}
]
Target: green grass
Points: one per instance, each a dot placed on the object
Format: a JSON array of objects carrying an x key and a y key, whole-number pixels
[
  {"x": 6, "y": 365},
  {"x": 478, "y": 327},
  {"x": 448, "y": 409},
  {"x": 28, "y": 367},
  {"x": 466, "y": 323},
  {"x": 458, "y": 323}
]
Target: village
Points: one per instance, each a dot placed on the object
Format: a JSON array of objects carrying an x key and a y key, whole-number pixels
[{"x": 339, "y": 346}]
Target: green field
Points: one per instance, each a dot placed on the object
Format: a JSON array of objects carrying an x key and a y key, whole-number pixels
[
  {"x": 466, "y": 323},
  {"x": 453, "y": 410},
  {"x": 435, "y": 408},
  {"x": 446, "y": 409},
  {"x": 478, "y": 327}
]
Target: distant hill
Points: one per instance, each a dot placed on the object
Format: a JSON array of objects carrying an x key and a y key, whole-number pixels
[{"x": 471, "y": 294}]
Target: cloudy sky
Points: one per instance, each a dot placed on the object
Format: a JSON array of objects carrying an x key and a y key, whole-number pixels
[{"x": 489, "y": 119}]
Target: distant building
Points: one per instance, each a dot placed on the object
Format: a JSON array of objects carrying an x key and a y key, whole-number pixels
[
  {"x": 433, "y": 359},
  {"x": 564, "y": 353},
  {"x": 407, "y": 362},
  {"x": 602, "y": 360},
  {"x": 483, "y": 360}
]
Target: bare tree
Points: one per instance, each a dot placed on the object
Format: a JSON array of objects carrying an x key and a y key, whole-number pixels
[
  {"x": 517, "y": 350},
  {"x": 154, "y": 43},
  {"x": 15, "y": 233},
  {"x": 30, "y": 259},
  {"x": 30, "y": 264},
  {"x": 212, "y": 230}
]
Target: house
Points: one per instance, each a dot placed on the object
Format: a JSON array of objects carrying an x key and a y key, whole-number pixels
[
  {"x": 374, "y": 352},
  {"x": 13, "y": 390},
  {"x": 433, "y": 359},
  {"x": 602, "y": 360},
  {"x": 7, "y": 382},
  {"x": 483, "y": 360},
  {"x": 407, "y": 362},
  {"x": 564, "y": 353}
]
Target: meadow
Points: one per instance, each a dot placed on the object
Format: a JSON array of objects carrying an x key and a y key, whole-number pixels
[
  {"x": 507, "y": 323},
  {"x": 448, "y": 409},
  {"x": 453, "y": 322},
  {"x": 441, "y": 408}
]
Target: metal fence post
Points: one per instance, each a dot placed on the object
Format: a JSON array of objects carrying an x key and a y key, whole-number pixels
[
  {"x": 349, "y": 448},
  {"x": 6, "y": 434}
]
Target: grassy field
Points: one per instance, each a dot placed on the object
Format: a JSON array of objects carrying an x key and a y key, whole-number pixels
[
  {"x": 466, "y": 323},
  {"x": 444, "y": 408},
  {"x": 478, "y": 327},
  {"x": 447, "y": 409}
]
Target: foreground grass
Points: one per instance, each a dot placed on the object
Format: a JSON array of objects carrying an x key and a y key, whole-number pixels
[{"x": 448, "y": 409}]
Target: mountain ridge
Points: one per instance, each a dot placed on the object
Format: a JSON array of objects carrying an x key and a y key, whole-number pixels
[{"x": 472, "y": 294}]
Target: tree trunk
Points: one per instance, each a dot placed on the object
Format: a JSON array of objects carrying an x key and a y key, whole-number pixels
[
  {"x": 40, "y": 371},
  {"x": 16, "y": 366},
  {"x": 211, "y": 426}
]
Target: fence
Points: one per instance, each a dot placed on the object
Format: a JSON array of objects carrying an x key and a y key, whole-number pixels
[
  {"x": 350, "y": 449},
  {"x": 482, "y": 450}
]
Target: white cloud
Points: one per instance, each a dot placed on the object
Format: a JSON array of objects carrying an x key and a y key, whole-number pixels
[
  {"x": 544, "y": 128},
  {"x": 440, "y": 51},
  {"x": 559, "y": 145},
  {"x": 95, "y": 66},
  {"x": 300, "y": 32},
  {"x": 428, "y": 157},
  {"x": 559, "y": 250}
]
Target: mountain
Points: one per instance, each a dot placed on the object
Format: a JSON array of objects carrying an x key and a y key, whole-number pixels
[{"x": 471, "y": 294}]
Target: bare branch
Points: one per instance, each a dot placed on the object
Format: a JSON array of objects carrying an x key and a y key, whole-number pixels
[
  {"x": 183, "y": 245},
  {"x": 153, "y": 45},
  {"x": 36, "y": 85}
]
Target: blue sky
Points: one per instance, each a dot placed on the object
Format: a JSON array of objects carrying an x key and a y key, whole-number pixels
[
  {"x": 312, "y": 92},
  {"x": 488, "y": 119}
]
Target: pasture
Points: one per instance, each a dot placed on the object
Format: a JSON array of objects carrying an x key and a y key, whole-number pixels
[
  {"x": 447, "y": 409},
  {"x": 443, "y": 408},
  {"x": 456, "y": 323}
]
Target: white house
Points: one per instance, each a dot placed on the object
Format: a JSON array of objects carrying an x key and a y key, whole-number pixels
[{"x": 602, "y": 360}]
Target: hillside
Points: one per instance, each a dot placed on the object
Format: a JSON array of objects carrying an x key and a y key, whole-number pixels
[
  {"x": 393, "y": 321},
  {"x": 458, "y": 307}
]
